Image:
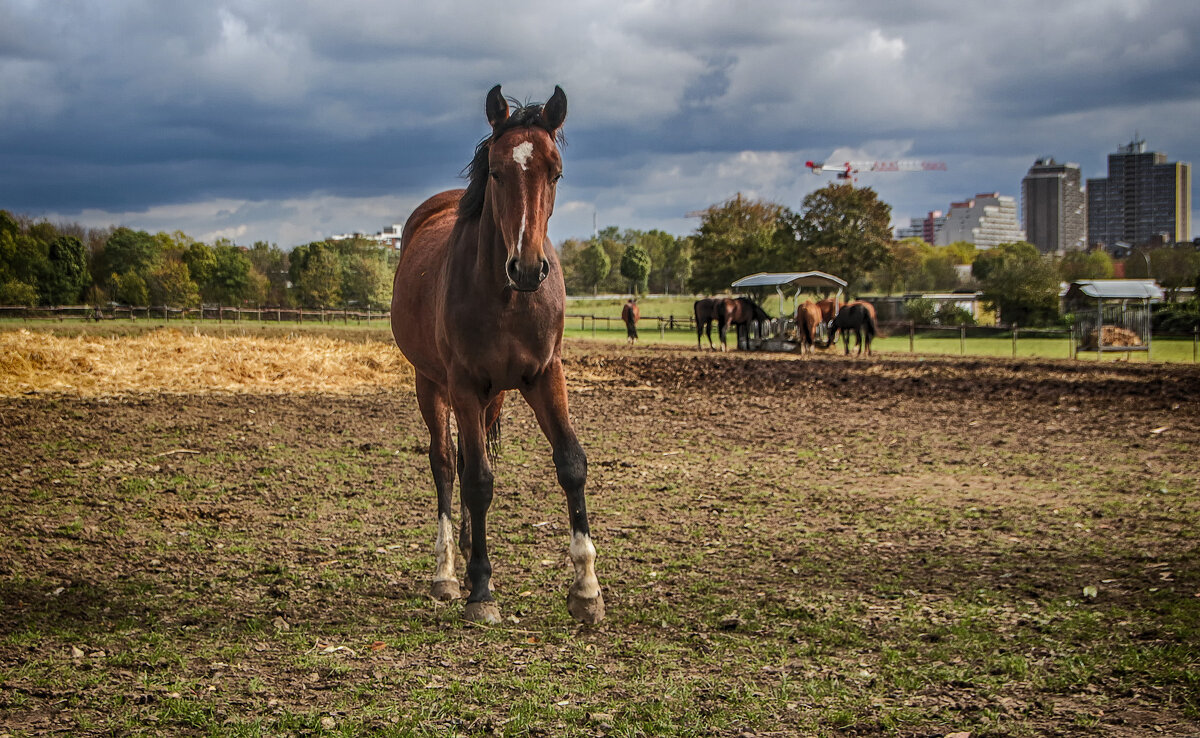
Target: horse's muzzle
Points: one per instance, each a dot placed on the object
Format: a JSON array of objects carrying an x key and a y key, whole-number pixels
[{"x": 527, "y": 278}]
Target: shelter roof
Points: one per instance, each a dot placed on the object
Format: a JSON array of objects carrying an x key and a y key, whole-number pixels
[
  {"x": 1116, "y": 289},
  {"x": 793, "y": 279}
]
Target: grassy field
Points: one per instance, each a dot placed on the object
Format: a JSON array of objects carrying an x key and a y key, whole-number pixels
[
  {"x": 943, "y": 343},
  {"x": 247, "y": 564}
]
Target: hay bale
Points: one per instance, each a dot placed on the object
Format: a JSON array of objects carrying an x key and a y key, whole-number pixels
[
  {"x": 170, "y": 360},
  {"x": 1112, "y": 336}
]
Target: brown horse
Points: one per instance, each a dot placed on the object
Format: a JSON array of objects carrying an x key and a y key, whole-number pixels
[
  {"x": 630, "y": 313},
  {"x": 808, "y": 320},
  {"x": 830, "y": 308},
  {"x": 477, "y": 307},
  {"x": 726, "y": 312}
]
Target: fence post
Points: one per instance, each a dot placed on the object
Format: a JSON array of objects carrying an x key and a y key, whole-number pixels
[
  {"x": 220, "y": 314},
  {"x": 962, "y": 340},
  {"x": 912, "y": 336},
  {"x": 1014, "y": 340},
  {"x": 593, "y": 326},
  {"x": 1195, "y": 343}
]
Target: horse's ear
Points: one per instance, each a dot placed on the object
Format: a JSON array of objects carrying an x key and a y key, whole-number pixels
[
  {"x": 554, "y": 112},
  {"x": 497, "y": 107}
]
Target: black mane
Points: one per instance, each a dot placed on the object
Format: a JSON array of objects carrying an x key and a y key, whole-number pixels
[{"x": 476, "y": 173}]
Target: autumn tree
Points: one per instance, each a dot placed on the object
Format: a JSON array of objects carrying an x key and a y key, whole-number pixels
[
  {"x": 735, "y": 238},
  {"x": 841, "y": 229},
  {"x": 1018, "y": 282}
]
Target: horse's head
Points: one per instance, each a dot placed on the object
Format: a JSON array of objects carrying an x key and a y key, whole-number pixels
[{"x": 518, "y": 181}]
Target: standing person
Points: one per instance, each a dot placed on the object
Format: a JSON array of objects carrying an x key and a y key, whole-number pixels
[{"x": 630, "y": 314}]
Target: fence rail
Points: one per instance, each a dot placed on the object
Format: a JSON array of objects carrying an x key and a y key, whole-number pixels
[
  {"x": 662, "y": 323},
  {"x": 215, "y": 312}
]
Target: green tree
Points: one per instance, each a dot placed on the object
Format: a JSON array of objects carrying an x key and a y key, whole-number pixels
[
  {"x": 635, "y": 266},
  {"x": 1019, "y": 283},
  {"x": 23, "y": 262},
  {"x": 594, "y": 264},
  {"x": 842, "y": 229},
  {"x": 230, "y": 282},
  {"x": 272, "y": 263},
  {"x": 200, "y": 261},
  {"x": 67, "y": 274},
  {"x": 899, "y": 271},
  {"x": 320, "y": 282},
  {"x": 1095, "y": 264},
  {"x": 130, "y": 289},
  {"x": 670, "y": 260},
  {"x": 736, "y": 238},
  {"x": 128, "y": 251},
  {"x": 1175, "y": 267},
  {"x": 367, "y": 282}
]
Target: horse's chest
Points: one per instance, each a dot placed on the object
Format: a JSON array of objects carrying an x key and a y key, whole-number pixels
[{"x": 500, "y": 355}]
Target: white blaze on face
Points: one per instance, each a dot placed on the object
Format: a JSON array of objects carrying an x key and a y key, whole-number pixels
[
  {"x": 522, "y": 153},
  {"x": 583, "y": 556}
]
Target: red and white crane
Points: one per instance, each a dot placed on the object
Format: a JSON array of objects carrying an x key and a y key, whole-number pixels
[{"x": 847, "y": 169}]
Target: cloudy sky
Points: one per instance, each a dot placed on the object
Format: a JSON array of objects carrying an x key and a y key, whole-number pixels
[{"x": 289, "y": 120}]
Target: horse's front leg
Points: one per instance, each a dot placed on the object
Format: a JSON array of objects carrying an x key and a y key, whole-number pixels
[
  {"x": 547, "y": 395},
  {"x": 476, "y": 482},
  {"x": 435, "y": 410}
]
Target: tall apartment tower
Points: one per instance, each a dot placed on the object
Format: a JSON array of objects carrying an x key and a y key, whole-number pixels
[
  {"x": 986, "y": 220},
  {"x": 1054, "y": 207},
  {"x": 1142, "y": 197}
]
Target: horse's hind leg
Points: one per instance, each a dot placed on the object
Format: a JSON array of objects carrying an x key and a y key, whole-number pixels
[
  {"x": 436, "y": 412},
  {"x": 548, "y": 398}
]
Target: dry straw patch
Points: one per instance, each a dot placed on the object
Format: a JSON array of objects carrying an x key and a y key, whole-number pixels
[{"x": 171, "y": 360}]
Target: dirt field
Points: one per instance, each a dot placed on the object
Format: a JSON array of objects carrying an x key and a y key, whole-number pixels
[{"x": 829, "y": 546}]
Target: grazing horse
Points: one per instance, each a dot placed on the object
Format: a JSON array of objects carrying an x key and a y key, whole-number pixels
[
  {"x": 706, "y": 310},
  {"x": 830, "y": 308},
  {"x": 741, "y": 314},
  {"x": 808, "y": 320},
  {"x": 853, "y": 317},
  {"x": 477, "y": 308},
  {"x": 630, "y": 313}
]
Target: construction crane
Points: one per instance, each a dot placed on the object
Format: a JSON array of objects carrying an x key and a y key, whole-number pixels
[{"x": 847, "y": 170}]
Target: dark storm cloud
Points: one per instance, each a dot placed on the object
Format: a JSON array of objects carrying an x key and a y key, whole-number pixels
[{"x": 296, "y": 119}]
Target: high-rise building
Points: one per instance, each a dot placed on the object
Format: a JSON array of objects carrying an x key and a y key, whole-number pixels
[
  {"x": 1054, "y": 207},
  {"x": 1143, "y": 197},
  {"x": 924, "y": 228},
  {"x": 986, "y": 220}
]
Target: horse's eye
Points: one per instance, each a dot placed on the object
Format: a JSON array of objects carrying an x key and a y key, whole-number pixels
[
  {"x": 494, "y": 175},
  {"x": 556, "y": 177}
]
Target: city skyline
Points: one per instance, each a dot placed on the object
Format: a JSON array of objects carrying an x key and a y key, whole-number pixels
[{"x": 260, "y": 120}]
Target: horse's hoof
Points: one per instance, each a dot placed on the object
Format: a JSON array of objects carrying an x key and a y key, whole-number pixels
[
  {"x": 445, "y": 589},
  {"x": 482, "y": 612},
  {"x": 588, "y": 610}
]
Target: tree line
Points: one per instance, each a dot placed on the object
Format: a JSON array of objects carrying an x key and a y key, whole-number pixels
[
  {"x": 46, "y": 264},
  {"x": 845, "y": 231},
  {"x": 840, "y": 229}
]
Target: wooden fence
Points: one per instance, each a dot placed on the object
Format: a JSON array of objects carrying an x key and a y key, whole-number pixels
[{"x": 216, "y": 312}]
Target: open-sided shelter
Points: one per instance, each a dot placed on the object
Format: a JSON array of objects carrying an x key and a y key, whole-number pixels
[{"x": 1112, "y": 314}]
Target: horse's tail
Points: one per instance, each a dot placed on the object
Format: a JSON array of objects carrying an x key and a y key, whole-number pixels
[{"x": 872, "y": 328}]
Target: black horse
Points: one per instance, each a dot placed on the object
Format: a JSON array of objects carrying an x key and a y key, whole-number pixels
[{"x": 853, "y": 317}]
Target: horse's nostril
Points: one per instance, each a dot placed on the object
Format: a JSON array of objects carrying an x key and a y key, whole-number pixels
[
  {"x": 511, "y": 267},
  {"x": 545, "y": 271}
]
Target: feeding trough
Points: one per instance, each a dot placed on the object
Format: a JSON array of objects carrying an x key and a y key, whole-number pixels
[{"x": 782, "y": 328}]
